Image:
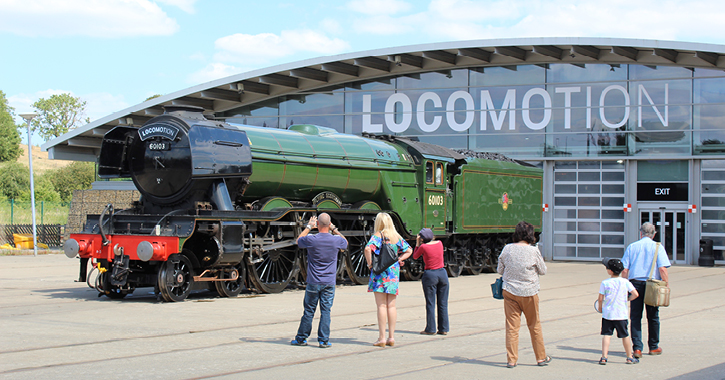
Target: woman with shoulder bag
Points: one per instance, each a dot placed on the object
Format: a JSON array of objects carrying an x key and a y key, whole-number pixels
[
  {"x": 434, "y": 280},
  {"x": 521, "y": 263},
  {"x": 385, "y": 284}
]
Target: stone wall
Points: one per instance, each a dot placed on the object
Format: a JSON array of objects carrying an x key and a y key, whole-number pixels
[{"x": 86, "y": 202}]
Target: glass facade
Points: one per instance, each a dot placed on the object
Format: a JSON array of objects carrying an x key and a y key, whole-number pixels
[
  {"x": 588, "y": 125},
  {"x": 527, "y": 111}
]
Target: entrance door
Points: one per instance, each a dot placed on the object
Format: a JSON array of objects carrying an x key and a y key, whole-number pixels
[{"x": 670, "y": 225}]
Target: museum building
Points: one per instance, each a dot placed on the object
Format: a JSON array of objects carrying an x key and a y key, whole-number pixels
[{"x": 626, "y": 130}]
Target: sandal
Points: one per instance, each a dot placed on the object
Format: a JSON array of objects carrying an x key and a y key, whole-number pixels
[
  {"x": 544, "y": 362},
  {"x": 379, "y": 343},
  {"x": 390, "y": 342},
  {"x": 603, "y": 361},
  {"x": 632, "y": 360},
  {"x": 510, "y": 365}
]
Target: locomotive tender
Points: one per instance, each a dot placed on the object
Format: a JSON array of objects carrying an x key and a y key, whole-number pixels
[{"x": 222, "y": 203}]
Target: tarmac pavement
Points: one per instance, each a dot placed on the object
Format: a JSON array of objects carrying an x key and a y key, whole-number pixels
[{"x": 54, "y": 328}]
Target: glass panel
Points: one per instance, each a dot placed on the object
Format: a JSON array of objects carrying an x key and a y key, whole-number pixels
[
  {"x": 564, "y": 226},
  {"x": 439, "y": 174},
  {"x": 441, "y": 79},
  {"x": 658, "y": 72},
  {"x": 588, "y": 176},
  {"x": 588, "y": 214},
  {"x": 588, "y": 252},
  {"x": 614, "y": 165},
  {"x": 265, "y": 108},
  {"x": 561, "y": 73},
  {"x": 325, "y": 109},
  {"x": 564, "y": 238},
  {"x": 589, "y": 226},
  {"x": 565, "y": 189},
  {"x": 589, "y": 189},
  {"x": 661, "y": 128},
  {"x": 612, "y": 201},
  {"x": 509, "y": 75},
  {"x": 662, "y": 171},
  {"x": 709, "y": 128},
  {"x": 613, "y": 239},
  {"x": 375, "y": 84},
  {"x": 568, "y": 251},
  {"x": 588, "y": 201},
  {"x": 565, "y": 165},
  {"x": 613, "y": 214},
  {"x": 612, "y": 176},
  {"x": 701, "y": 73},
  {"x": 267, "y": 122},
  {"x": 367, "y": 108},
  {"x": 713, "y": 228},
  {"x": 713, "y": 176},
  {"x": 612, "y": 252},
  {"x": 612, "y": 227},
  {"x": 564, "y": 201},
  {"x": 509, "y": 144},
  {"x": 713, "y": 214},
  {"x": 713, "y": 202},
  {"x": 588, "y": 239},
  {"x": 612, "y": 189},
  {"x": 429, "y": 172},
  {"x": 565, "y": 176},
  {"x": 563, "y": 213}
]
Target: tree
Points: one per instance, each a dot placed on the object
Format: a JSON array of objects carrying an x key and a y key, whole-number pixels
[
  {"x": 58, "y": 115},
  {"x": 9, "y": 136},
  {"x": 152, "y": 97},
  {"x": 14, "y": 180},
  {"x": 76, "y": 176}
]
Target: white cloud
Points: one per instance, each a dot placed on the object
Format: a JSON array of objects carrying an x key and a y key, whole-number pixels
[
  {"x": 213, "y": 71},
  {"x": 185, "y": 5},
  {"x": 330, "y": 25},
  {"x": 475, "y": 19},
  {"x": 379, "y": 7},
  {"x": 95, "y": 18},
  {"x": 263, "y": 47}
]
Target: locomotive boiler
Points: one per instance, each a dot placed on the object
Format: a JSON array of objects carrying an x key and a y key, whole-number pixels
[{"x": 221, "y": 204}]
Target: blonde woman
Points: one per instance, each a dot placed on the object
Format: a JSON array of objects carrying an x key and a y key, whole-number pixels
[{"x": 385, "y": 285}]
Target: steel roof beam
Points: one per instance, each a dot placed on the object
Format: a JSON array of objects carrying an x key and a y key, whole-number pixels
[
  {"x": 479, "y": 54},
  {"x": 341, "y": 68},
  {"x": 249, "y": 86},
  {"x": 441, "y": 55},
  {"x": 280, "y": 80},
  {"x": 373, "y": 63},
  {"x": 85, "y": 142},
  {"x": 511, "y": 51},
  {"x": 670, "y": 55},
  {"x": 308, "y": 73},
  {"x": 406, "y": 59},
  {"x": 710, "y": 58},
  {"x": 218, "y": 94},
  {"x": 549, "y": 51},
  {"x": 626, "y": 52},
  {"x": 187, "y": 101},
  {"x": 587, "y": 51}
]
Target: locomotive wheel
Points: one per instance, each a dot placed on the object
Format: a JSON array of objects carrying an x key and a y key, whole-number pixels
[
  {"x": 274, "y": 272},
  {"x": 355, "y": 263},
  {"x": 477, "y": 257},
  {"x": 413, "y": 269},
  {"x": 234, "y": 287},
  {"x": 175, "y": 279},
  {"x": 454, "y": 263},
  {"x": 497, "y": 245}
]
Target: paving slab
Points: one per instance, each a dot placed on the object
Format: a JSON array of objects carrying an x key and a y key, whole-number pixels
[{"x": 52, "y": 327}]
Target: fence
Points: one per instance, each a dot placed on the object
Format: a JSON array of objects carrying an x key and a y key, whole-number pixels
[
  {"x": 49, "y": 234},
  {"x": 19, "y": 212}
]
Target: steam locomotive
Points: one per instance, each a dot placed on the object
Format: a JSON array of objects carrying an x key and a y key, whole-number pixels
[{"x": 221, "y": 204}]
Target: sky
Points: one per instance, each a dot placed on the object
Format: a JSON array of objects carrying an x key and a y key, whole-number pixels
[{"x": 116, "y": 53}]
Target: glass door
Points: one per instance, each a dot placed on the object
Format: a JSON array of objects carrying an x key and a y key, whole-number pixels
[{"x": 670, "y": 225}]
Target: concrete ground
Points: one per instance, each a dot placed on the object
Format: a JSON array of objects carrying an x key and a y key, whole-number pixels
[{"x": 52, "y": 327}]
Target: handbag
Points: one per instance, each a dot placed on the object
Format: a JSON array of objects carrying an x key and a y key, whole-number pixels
[
  {"x": 497, "y": 288},
  {"x": 656, "y": 292},
  {"x": 385, "y": 257}
]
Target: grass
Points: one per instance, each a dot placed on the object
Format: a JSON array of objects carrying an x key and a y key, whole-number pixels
[
  {"x": 45, "y": 212},
  {"x": 28, "y": 252}
]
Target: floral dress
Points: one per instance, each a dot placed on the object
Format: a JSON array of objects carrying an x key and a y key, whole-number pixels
[{"x": 386, "y": 282}]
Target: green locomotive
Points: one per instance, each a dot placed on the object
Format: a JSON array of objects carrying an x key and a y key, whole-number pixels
[{"x": 220, "y": 200}]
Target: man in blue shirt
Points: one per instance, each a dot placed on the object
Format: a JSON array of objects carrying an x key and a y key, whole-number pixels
[
  {"x": 322, "y": 252},
  {"x": 637, "y": 263}
]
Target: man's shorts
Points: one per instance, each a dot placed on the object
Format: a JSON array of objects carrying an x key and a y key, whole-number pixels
[{"x": 608, "y": 327}]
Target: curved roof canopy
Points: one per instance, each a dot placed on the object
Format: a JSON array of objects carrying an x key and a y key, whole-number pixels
[{"x": 83, "y": 143}]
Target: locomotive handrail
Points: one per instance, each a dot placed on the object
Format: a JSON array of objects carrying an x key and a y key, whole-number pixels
[{"x": 100, "y": 224}]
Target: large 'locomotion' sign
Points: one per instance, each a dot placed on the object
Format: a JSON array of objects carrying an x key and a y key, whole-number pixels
[{"x": 535, "y": 109}]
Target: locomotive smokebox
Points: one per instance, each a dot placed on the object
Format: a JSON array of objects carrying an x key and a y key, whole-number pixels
[{"x": 178, "y": 157}]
